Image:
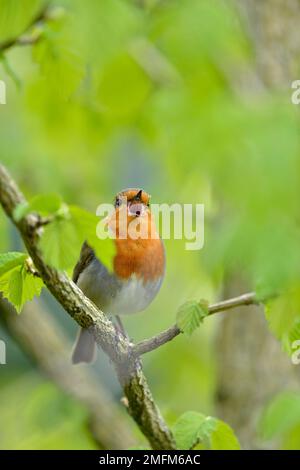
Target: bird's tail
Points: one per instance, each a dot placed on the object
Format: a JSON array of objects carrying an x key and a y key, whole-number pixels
[{"x": 84, "y": 348}]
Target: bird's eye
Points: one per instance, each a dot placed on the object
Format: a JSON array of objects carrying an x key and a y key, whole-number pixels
[{"x": 118, "y": 202}]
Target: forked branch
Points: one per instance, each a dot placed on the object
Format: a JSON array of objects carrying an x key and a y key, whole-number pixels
[
  {"x": 124, "y": 355},
  {"x": 156, "y": 341}
]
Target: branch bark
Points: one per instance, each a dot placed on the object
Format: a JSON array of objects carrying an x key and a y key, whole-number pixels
[
  {"x": 41, "y": 338},
  {"x": 156, "y": 341},
  {"x": 141, "y": 405},
  {"x": 124, "y": 355}
]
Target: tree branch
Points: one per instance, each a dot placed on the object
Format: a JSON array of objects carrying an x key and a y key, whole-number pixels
[
  {"x": 156, "y": 341},
  {"x": 141, "y": 405},
  {"x": 41, "y": 338},
  {"x": 123, "y": 354}
]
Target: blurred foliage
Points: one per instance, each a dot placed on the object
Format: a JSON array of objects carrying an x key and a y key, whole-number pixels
[
  {"x": 281, "y": 419},
  {"x": 124, "y": 93},
  {"x": 41, "y": 417}
]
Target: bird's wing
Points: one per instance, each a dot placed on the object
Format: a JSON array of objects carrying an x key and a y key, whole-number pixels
[{"x": 86, "y": 256}]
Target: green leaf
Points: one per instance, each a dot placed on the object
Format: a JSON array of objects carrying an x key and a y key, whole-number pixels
[
  {"x": 44, "y": 204},
  {"x": 264, "y": 292},
  {"x": 19, "y": 285},
  {"x": 283, "y": 316},
  {"x": 31, "y": 287},
  {"x": 223, "y": 437},
  {"x": 62, "y": 239},
  {"x": 191, "y": 314},
  {"x": 14, "y": 293},
  {"x": 294, "y": 335},
  {"x": 10, "y": 260},
  {"x": 193, "y": 428},
  {"x": 187, "y": 429},
  {"x": 60, "y": 64},
  {"x": 86, "y": 224},
  {"x": 60, "y": 243},
  {"x": 281, "y": 415}
]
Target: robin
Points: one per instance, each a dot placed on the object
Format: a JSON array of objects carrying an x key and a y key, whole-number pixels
[{"x": 138, "y": 267}]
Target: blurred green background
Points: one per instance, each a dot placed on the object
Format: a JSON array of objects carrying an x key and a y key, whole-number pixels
[{"x": 169, "y": 96}]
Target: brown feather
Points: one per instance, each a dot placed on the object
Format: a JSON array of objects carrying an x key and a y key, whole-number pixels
[
  {"x": 86, "y": 256},
  {"x": 144, "y": 257}
]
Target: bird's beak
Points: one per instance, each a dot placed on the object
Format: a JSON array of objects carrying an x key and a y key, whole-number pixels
[{"x": 136, "y": 209}]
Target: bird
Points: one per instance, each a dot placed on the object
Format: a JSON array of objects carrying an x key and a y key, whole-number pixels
[{"x": 138, "y": 267}]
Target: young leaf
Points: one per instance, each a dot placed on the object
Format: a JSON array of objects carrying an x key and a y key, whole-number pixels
[
  {"x": 60, "y": 243},
  {"x": 44, "y": 204},
  {"x": 62, "y": 239},
  {"x": 86, "y": 225},
  {"x": 10, "y": 260},
  {"x": 223, "y": 438},
  {"x": 294, "y": 335},
  {"x": 31, "y": 287},
  {"x": 283, "y": 316},
  {"x": 60, "y": 65},
  {"x": 190, "y": 315},
  {"x": 187, "y": 428},
  {"x": 19, "y": 285},
  {"x": 193, "y": 428},
  {"x": 14, "y": 293}
]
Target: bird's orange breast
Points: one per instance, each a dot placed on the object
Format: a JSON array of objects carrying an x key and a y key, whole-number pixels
[{"x": 144, "y": 257}]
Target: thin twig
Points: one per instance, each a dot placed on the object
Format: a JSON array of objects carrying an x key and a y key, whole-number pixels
[
  {"x": 155, "y": 342},
  {"x": 124, "y": 355},
  {"x": 141, "y": 405},
  {"x": 40, "y": 336}
]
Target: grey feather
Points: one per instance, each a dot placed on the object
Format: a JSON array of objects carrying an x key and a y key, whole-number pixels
[{"x": 84, "y": 348}]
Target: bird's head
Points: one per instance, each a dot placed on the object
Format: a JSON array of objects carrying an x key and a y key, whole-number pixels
[
  {"x": 132, "y": 213},
  {"x": 135, "y": 202}
]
